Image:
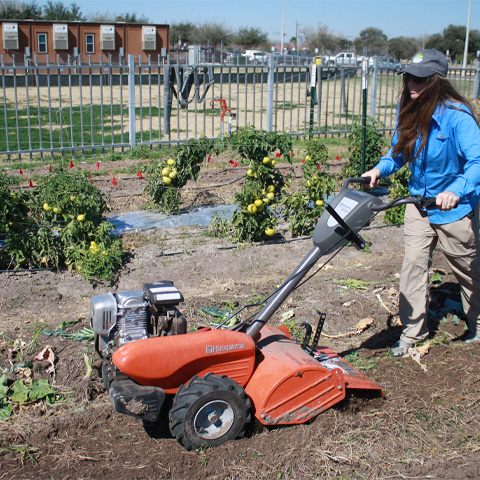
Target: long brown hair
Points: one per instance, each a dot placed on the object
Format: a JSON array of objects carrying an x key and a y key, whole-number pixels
[{"x": 415, "y": 114}]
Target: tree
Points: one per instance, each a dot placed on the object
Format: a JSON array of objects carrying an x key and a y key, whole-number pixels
[
  {"x": 320, "y": 38},
  {"x": 436, "y": 41},
  {"x": 402, "y": 47},
  {"x": 453, "y": 40},
  {"x": 104, "y": 17},
  {"x": 250, "y": 37},
  {"x": 131, "y": 18},
  {"x": 58, "y": 11},
  {"x": 185, "y": 32},
  {"x": 371, "y": 41},
  {"x": 212, "y": 33},
  {"x": 12, "y": 10}
]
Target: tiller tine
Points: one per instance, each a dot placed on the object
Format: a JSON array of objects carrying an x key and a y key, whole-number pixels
[
  {"x": 353, "y": 378},
  {"x": 330, "y": 360}
]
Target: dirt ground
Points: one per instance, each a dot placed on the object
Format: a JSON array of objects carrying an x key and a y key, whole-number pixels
[{"x": 426, "y": 427}]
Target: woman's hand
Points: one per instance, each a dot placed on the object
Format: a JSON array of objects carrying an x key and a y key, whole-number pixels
[
  {"x": 446, "y": 200},
  {"x": 374, "y": 175}
]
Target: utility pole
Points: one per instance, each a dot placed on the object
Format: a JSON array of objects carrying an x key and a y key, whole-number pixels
[
  {"x": 283, "y": 27},
  {"x": 296, "y": 36},
  {"x": 465, "y": 53}
]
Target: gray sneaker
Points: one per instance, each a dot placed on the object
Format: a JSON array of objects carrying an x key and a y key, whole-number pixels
[
  {"x": 472, "y": 338},
  {"x": 400, "y": 348}
]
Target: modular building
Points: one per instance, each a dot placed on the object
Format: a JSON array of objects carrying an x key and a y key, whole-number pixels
[{"x": 87, "y": 42}]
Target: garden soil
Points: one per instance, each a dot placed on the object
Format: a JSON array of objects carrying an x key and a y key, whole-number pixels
[{"x": 427, "y": 426}]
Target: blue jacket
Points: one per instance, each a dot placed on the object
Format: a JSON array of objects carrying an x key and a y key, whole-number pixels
[{"x": 449, "y": 161}]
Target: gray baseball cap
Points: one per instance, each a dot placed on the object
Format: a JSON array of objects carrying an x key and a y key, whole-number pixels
[{"x": 426, "y": 63}]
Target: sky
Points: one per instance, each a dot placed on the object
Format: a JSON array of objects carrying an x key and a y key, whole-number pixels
[{"x": 411, "y": 18}]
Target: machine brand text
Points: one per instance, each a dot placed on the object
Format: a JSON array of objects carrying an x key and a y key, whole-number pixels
[{"x": 224, "y": 348}]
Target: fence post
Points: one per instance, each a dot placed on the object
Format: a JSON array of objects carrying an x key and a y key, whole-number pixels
[
  {"x": 476, "y": 81},
  {"x": 131, "y": 102},
  {"x": 270, "y": 86},
  {"x": 167, "y": 98},
  {"x": 364, "y": 111},
  {"x": 373, "y": 96},
  {"x": 313, "y": 84}
]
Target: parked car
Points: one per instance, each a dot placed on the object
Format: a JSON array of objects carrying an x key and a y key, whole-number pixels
[
  {"x": 259, "y": 58},
  {"x": 233, "y": 57},
  {"x": 342, "y": 59},
  {"x": 292, "y": 57},
  {"x": 384, "y": 63}
]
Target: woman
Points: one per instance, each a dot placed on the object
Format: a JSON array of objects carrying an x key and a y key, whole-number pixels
[{"x": 438, "y": 137}]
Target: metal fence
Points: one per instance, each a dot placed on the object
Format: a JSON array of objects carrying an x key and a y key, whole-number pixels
[{"x": 51, "y": 110}]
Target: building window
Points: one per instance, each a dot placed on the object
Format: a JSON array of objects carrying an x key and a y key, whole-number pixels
[
  {"x": 42, "y": 42},
  {"x": 89, "y": 43}
]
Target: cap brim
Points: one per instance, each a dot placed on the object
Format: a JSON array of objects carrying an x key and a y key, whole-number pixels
[{"x": 418, "y": 70}]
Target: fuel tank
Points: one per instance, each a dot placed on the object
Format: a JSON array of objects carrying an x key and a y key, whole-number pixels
[{"x": 171, "y": 361}]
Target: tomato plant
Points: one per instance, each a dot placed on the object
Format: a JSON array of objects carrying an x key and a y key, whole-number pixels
[
  {"x": 375, "y": 146},
  {"x": 316, "y": 153},
  {"x": 54, "y": 223},
  {"x": 254, "y": 217},
  {"x": 165, "y": 178},
  {"x": 302, "y": 208},
  {"x": 255, "y": 144}
]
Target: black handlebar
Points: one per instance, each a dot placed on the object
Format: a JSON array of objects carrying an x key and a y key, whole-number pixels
[
  {"x": 427, "y": 203},
  {"x": 350, "y": 180}
]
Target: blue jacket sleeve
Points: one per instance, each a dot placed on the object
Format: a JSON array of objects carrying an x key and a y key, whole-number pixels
[{"x": 467, "y": 145}]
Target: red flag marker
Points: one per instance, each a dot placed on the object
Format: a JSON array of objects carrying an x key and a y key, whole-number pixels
[
  {"x": 89, "y": 176},
  {"x": 31, "y": 184},
  {"x": 284, "y": 172},
  {"x": 71, "y": 164},
  {"x": 114, "y": 181},
  {"x": 20, "y": 171},
  {"x": 139, "y": 174},
  {"x": 303, "y": 161},
  {"x": 97, "y": 166},
  {"x": 208, "y": 159},
  {"x": 50, "y": 168},
  {"x": 278, "y": 155},
  {"x": 337, "y": 157},
  {"x": 235, "y": 164}
]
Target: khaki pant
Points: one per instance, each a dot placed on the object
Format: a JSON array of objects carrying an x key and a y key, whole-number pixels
[{"x": 459, "y": 241}]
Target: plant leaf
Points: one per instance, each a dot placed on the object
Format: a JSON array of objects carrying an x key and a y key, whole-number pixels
[
  {"x": 6, "y": 411},
  {"x": 20, "y": 392},
  {"x": 3, "y": 387},
  {"x": 41, "y": 389}
]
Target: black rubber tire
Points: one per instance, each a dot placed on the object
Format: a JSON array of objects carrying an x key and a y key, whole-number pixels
[{"x": 202, "y": 399}]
